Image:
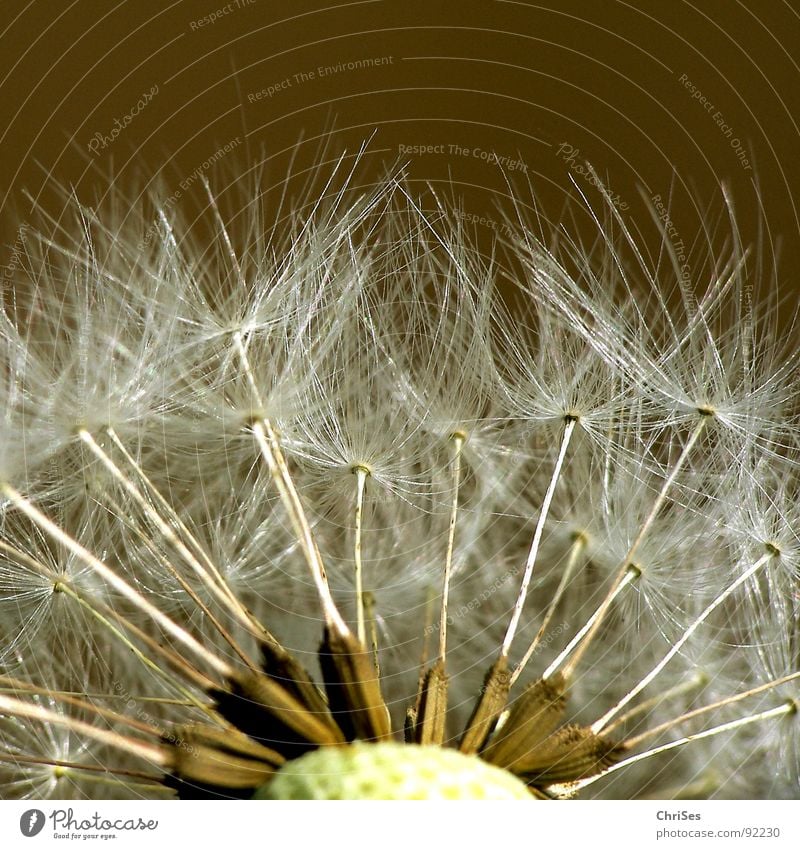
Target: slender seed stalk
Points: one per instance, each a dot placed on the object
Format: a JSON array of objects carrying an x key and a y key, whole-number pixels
[
  {"x": 115, "y": 697},
  {"x": 271, "y": 451},
  {"x": 662, "y": 495},
  {"x": 164, "y": 527},
  {"x": 112, "y": 781},
  {"x": 95, "y": 609},
  {"x": 678, "y": 645},
  {"x": 575, "y": 550},
  {"x": 631, "y": 574},
  {"x": 138, "y": 653},
  {"x": 191, "y": 593},
  {"x": 369, "y": 610},
  {"x": 645, "y": 527},
  {"x": 267, "y": 442},
  {"x": 236, "y": 607},
  {"x": 782, "y": 710},
  {"x": 120, "y": 585},
  {"x": 632, "y": 742},
  {"x": 58, "y": 695},
  {"x": 458, "y": 443},
  {"x": 699, "y": 679},
  {"x": 361, "y": 479},
  {"x": 569, "y": 428},
  {"x": 23, "y": 710},
  {"x": 68, "y": 765}
]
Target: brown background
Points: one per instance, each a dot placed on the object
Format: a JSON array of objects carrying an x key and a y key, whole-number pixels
[{"x": 519, "y": 79}]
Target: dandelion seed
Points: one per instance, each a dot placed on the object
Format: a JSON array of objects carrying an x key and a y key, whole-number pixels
[{"x": 310, "y": 483}]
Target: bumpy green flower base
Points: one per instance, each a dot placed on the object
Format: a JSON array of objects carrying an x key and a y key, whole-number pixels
[{"x": 391, "y": 771}]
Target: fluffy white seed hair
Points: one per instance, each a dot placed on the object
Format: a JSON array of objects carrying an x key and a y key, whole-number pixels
[{"x": 597, "y": 480}]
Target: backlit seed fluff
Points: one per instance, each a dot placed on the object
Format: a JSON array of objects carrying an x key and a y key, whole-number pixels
[{"x": 555, "y": 529}]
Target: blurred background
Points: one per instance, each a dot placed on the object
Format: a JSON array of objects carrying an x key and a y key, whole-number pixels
[{"x": 673, "y": 107}]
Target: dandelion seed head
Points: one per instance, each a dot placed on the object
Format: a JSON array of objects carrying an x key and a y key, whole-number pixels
[{"x": 328, "y": 426}]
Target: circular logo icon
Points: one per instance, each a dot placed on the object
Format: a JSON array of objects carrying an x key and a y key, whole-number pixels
[{"x": 31, "y": 822}]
